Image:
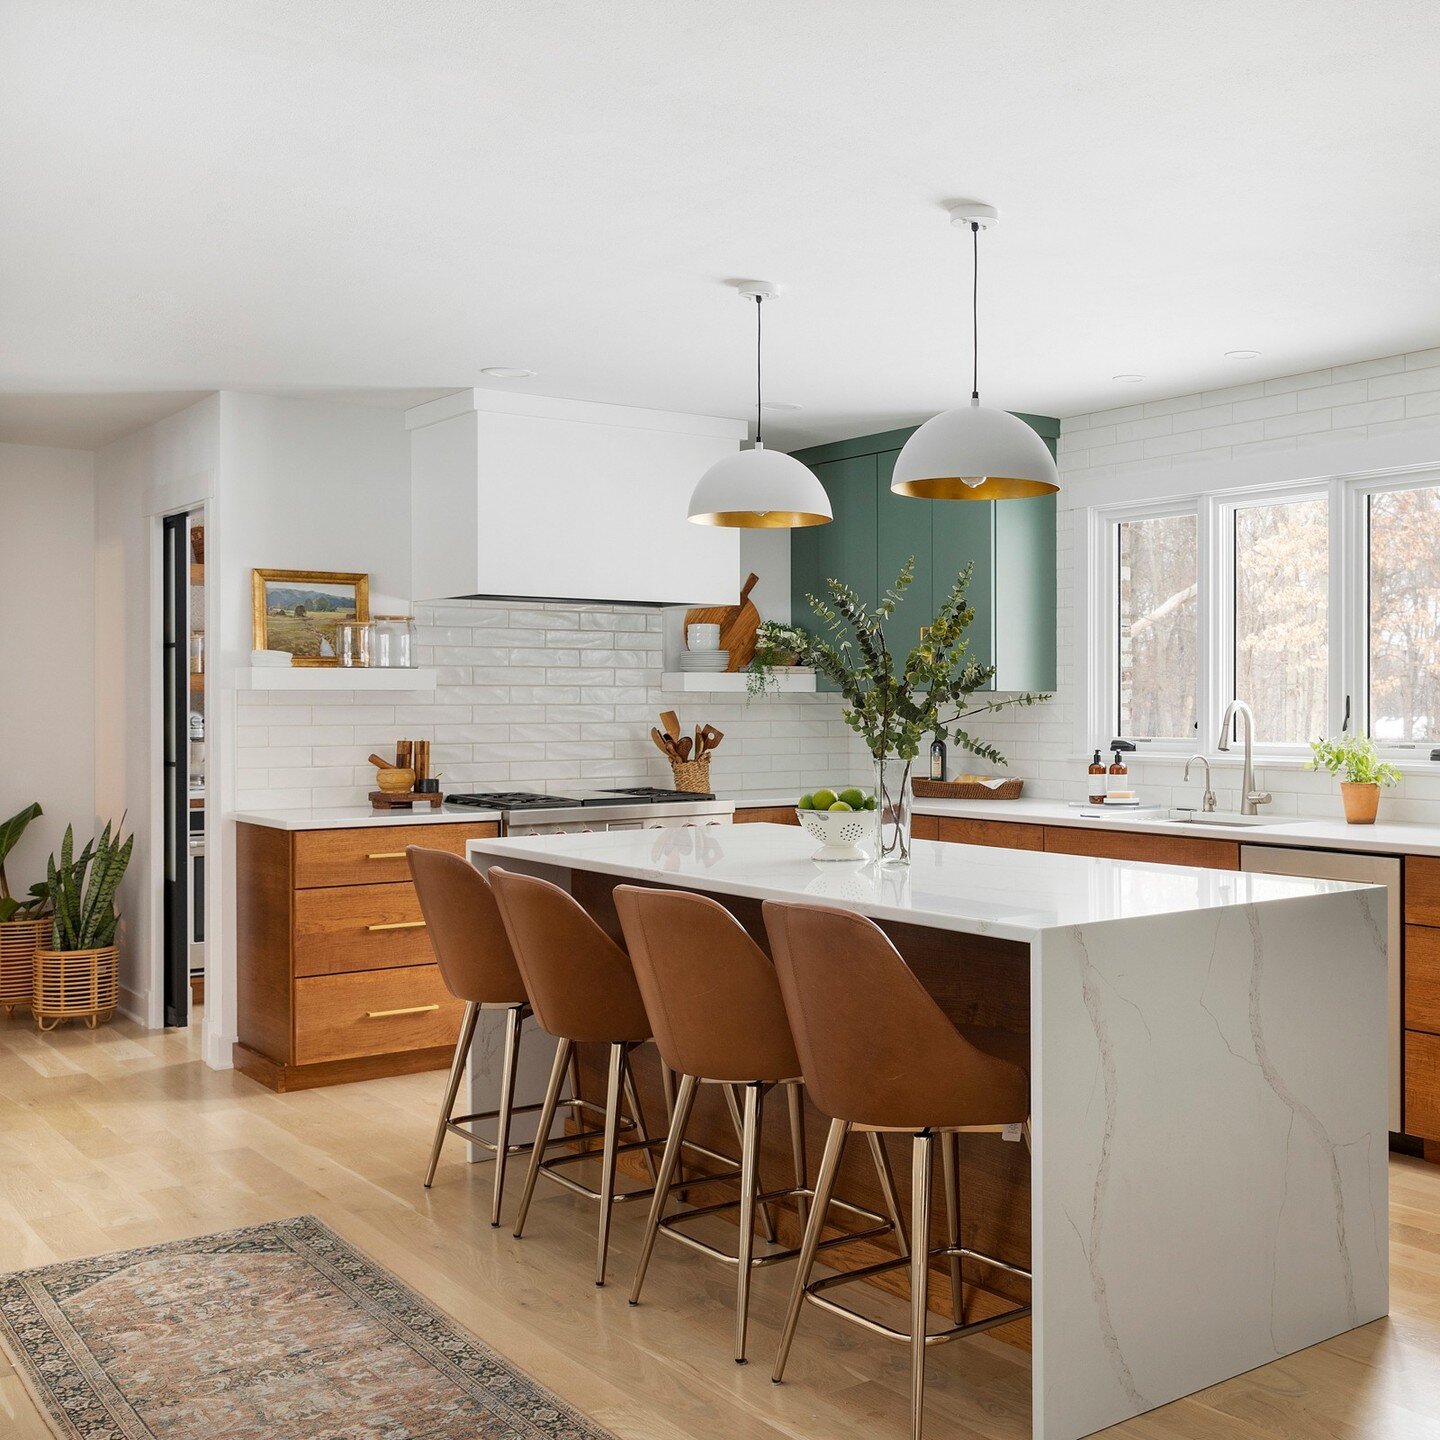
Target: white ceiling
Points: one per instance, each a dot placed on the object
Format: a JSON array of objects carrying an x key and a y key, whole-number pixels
[{"x": 359, "y": 194}]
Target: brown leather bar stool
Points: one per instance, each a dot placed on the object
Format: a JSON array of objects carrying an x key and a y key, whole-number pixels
[
  {"x": 878, "y": 1054},
  {"x": 713, "y": 997},
  {"x": 477, "y": 967},
  {"x": 582, "y": 987}
]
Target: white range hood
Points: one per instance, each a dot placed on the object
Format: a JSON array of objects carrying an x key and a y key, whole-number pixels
[{"x": 522, "y": 496}]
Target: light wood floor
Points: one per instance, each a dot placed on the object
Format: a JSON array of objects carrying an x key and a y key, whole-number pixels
[{"x": 120, "y": 1137}]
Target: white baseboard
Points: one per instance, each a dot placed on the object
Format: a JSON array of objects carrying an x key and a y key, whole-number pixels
[{"x": 216, "y": 1049}]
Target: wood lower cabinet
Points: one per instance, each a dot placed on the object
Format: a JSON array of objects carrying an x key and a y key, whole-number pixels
[
  {"x": 336, "y": 979},
  {"x": 1422, "y": 1001},
  {"x": 1136, "y": 845},
  {"x": 1009, "y": 835},
  {"x": 1422, "y": 1088}
]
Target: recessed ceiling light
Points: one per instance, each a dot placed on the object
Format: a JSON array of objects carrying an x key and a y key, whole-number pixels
[
  {"x": 506, "y": 372},
  {"x": 1242, "y": 354},
  {"x": 1128, "y": 379},
  {"x": 779, "y": 405}
]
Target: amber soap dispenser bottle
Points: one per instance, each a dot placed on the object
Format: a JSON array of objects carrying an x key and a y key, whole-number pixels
[{"x": 1097, "y": 780}]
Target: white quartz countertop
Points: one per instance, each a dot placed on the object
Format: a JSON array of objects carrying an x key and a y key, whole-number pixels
[
  {"x": 350, "y": 817},
  {"x": 1397, "y": 837},
  {"x": 1010, "y": 894}
]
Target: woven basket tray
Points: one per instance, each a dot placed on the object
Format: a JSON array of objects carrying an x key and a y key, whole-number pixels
[{"x": 965, "y": 790}]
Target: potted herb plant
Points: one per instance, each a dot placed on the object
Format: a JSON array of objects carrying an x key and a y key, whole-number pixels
[
  {"x": 893, "y": 703},
  {"x": 78, "y": 976},
  {"x": 22, "y": 921},
  {"x": 1362, "y": 771}
]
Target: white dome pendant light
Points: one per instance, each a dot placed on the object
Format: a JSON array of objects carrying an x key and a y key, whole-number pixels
[
  {"x": 759, "y": 489},
  {"x": 976, "y": 452}
]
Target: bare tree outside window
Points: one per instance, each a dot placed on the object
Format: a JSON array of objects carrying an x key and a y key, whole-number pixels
[
  {"x": 1282, "y": 618},
  {"x": 1405, "y": 614},
  {"x": 1158, "y": 627}
]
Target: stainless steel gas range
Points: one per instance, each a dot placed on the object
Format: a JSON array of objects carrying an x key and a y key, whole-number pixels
[{"x": 577, "y": 811}]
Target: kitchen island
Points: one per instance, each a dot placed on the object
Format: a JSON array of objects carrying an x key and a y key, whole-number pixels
[{"x": 1207, "y": 1189}]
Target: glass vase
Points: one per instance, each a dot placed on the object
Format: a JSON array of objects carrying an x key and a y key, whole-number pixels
[{"x": 893, "y": 810}]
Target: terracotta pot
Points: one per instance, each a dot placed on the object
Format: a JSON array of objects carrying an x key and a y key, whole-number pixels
[{"x": 1362, "y": 802}]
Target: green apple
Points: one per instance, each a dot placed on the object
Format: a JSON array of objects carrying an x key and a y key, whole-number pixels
[{"x": 824, "y": 799}]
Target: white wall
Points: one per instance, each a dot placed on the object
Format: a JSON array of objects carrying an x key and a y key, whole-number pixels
[
  {"x": 1374, "y": 415},
  {"x": 168, "y": 467},
  {"x": 47, "y": 647}
]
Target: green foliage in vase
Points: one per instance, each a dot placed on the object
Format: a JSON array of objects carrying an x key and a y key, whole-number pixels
[
  {"x": 82, "y": 888},
  {"x": 1354, "y": 758},
  {"x": 10, "y": 832},
  {"x": 893, "y": 703}
]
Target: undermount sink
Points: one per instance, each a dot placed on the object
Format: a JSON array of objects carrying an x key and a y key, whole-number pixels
[{"x": 1219, "y": 817}]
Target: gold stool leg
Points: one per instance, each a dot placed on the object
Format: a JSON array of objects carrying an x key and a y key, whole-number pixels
[
  {"x": 887, "y": 1187},
  {"x": 950, "y": 1161},
  {"x": 824, "y": 1185},
  {"x": 607, "y": 1157},
  {"x": 564, "y": 1050},
  {"x": 514, "y": 1018},
  {"x": 738, "y": 1121},
  {"x": 749, "y": 1185},
  {"x": 632, "y": 1099},
  {"x": 452, "y": 1086},
  {"x": 920, "y": 1175},
  {"x": 669, "y": 1170},
  {"x": 795, "y": 1100}
]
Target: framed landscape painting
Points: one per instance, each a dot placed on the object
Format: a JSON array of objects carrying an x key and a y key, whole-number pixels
[{"x": 298, "y": 610}]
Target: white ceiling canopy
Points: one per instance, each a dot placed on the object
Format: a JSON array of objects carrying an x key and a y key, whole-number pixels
[{"x": 354, "y": 194}]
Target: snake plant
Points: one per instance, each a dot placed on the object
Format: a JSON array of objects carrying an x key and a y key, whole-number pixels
[
  {"x": 82, "y": 888},
  {"x": 10, "y": 832}
]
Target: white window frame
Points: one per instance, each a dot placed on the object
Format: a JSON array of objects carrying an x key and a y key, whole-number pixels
[{"x": 1098, "y": 572}]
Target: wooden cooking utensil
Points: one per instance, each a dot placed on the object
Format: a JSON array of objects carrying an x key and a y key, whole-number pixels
[
  {"x": 662, "y": 742},
  {"x": 712, "y": 737},
  {"x": 380, "y": 764},
  {"x": 683, "y": 746},
  {"x": 738, "y": 625},
  {"x": 671, "y": 721}
]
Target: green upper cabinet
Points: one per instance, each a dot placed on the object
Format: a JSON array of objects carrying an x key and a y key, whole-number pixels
[{"x": 1009, "y": 543}]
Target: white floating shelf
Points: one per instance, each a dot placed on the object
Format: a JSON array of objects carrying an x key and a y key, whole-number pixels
[
  {"x": 334, "y": 677},
  {"x": 711, "y": 683}
]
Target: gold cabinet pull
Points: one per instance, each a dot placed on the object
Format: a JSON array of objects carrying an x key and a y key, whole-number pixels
[
  {"x": 386, "y": 855},
  {"x": 409, "y": 1010},
  {"x": 399, "y": 925}
]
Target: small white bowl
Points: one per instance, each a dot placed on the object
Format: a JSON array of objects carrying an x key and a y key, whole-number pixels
[
  {"x": 839, "y": 832},
  {"x": 703, "y": 637}
]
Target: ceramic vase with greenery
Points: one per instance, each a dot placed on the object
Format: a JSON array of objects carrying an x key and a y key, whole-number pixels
[
  {"x": 893, "y": 701},
  {"x": 78, "y": 975},
  {"x": 22, "y": 919},
  {"x": 1362, "y": 771}
]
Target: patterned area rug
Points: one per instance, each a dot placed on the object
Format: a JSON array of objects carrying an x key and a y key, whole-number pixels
[{"x": 275, "y": 1332}]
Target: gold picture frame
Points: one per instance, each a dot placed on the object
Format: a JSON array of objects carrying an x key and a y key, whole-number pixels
[{"x": 292, "y": 610}]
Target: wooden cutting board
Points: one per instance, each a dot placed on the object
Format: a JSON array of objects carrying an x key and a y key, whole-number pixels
[{"x": 738, "y": 624}]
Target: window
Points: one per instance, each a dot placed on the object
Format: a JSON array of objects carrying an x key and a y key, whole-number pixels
[
  {"x": 1158, "y": 626},
  {"x": 1403, "y": 619},
  {"x": 1317, "y": 603},
  {"x": 1282, "y": 617}
]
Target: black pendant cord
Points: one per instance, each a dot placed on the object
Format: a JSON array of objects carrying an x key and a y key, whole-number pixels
[
  {"x": 975, "y": 312},
  {"x": 759, "y": 301}
]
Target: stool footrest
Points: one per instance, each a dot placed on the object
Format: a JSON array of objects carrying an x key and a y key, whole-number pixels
[
  {"x": 456, "y": 1124},
  {"x": 814, "y": 1294}
]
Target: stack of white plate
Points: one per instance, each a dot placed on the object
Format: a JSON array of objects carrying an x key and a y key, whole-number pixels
[{"x": 704, "y": 660}]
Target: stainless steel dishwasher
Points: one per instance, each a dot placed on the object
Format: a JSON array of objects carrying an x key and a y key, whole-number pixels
[{"x": 1366, "y": 870}]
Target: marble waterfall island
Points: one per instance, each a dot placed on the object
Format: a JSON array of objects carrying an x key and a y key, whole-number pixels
[{"x": 1207, "y": 1187}]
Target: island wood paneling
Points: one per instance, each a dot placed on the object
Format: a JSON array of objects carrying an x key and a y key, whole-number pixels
[
  {"x": 766, "y": 815},
  {"x": 1422, "y": 1088},
  {"x": 1006, "y": 834}
]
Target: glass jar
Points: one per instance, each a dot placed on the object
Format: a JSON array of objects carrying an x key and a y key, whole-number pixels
[
  {"x": 352, "y": 643},
  {"x": 392, "y": 641}
]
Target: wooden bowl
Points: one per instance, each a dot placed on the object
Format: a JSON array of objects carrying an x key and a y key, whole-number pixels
[{"x": 395, "y": 781}]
